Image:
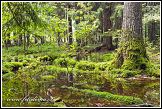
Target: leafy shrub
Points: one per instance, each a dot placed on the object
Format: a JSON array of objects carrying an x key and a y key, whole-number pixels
[
  {"x": 85, "y": 65},
  {"x": 129, "y": 73},
  {"x": 12, "y": 66},
  {"x": 125, "y": 73},
  {"x": 48, "y": 77},
  {"x": 153, "y": 69},
  {"x": 46, "y": 58},
  {"x": 101, "y": 66},
  {"x": 64, "y": 62},
  {"x": 98, "y": 57},
  {"x": 8, "y": 75},
  {"x": 107, "y": 57}
]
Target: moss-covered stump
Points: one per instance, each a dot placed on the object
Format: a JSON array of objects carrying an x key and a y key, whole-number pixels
[
  {"x": 132, "y": 55},
  {"x": 109, "y": 96}
]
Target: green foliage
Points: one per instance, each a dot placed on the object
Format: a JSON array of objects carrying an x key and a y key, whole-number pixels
[
  {"x": 46, "y": 58},
  {"x": 101, "y": 66},
  {"x": 47, "y": 77},
  {"x": 65, "y": 62},
  {"x": 55, "y": 69},
  {"x": 11, "y": 66},
  {"x": 139, "y": 63},
  {"x": 7, "y": 76},
  {"x": 33, "y": 71},
  {"x": 100, "y": 57},
  {"x": 84, "y": 29},
  {"x": 152, "y": 13},
  {"x": 129, "y": 73},
  {"x": 153, "y": 69},
  {"x": 86, "y": 65}
]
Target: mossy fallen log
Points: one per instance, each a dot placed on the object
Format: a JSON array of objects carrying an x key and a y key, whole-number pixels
[{"x": 128, "y": 100}]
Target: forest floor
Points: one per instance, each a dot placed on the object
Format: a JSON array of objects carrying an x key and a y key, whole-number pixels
[{"x": 88, "y": 77}]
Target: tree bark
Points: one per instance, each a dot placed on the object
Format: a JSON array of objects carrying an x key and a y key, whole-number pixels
[
  {"x": 107, "y": 24},
  {"x": 70, "y": 38},
  {"x": 35, "y": 40},
  {"x": 28, "y": 40},
  {"x": 8, "y": 41},
  {"x": 152, "y": 31},
  {"x": 131, "y": 51},
  {"x": 58, "y": 39},
  {"x": 42, "y": 39},
  {"x": 20, "y": 40}
]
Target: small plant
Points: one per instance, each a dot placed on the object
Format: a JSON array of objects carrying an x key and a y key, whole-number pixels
[
  {"x": 86, "y": 65},
  {"x": 48, "y": 77},
  {"x": 11, "y": 66},
  {"x": 64, "y": 62}
]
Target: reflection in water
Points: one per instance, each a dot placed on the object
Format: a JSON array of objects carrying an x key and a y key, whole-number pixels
[{"x": 148, "y": 90}]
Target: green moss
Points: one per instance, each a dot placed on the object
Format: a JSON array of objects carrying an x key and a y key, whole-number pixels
[
  {"x": 108, "y": 96},
  {"x": 132, "y": 55}
]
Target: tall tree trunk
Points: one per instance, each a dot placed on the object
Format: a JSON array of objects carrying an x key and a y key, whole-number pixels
[
  {"x": 70, "y": 38},
  {"x": 27, "y": 40},
  {"x": 35, "y": 40},
  {"x": 42, "y": 39},
  {"x": 77, "y": 21},
  {"x": 58, "y": 39},
  {"x": 132, "y": 52},
  {"x": 24, "y": 42},
  {"x": 152, "y": 31},
  {"x": 117, "y": 25},
  {"x": 101, "y": 26},
  {"x": 20, "y": 40},
  {"x": 15, "y": 40},
  {"x": 8, "y": 41},
  {"x": 107, "y": 24},
  {"x": 152, "y": 26}
]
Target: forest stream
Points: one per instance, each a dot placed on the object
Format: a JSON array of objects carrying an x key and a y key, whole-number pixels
[{"x": 146, "y": 88}]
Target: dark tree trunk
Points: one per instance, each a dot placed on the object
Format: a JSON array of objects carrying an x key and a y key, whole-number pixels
[
  {"x": 15, "y": 40},
  {"x": 42, "y": 39},
  {"x": 132, "y": 52},
  {"x": 24, "y": 42},
  {"x": 152, "y": 31},
  {"x": 28, "y": 40},
  {"x": 58, "y": 39},
  {"x": 20, "y": 40},
  {"x": 35, "y": 40},
  {"x": 70, "y": 38},
  {"x": 101, "y": 26},
  {"x": 8, "y": 41},
  {"x": 78, "y": 40},
  {"x": 118, "y": 19},
  {"x": 117, "y": 25},
  {"x": 152, "y": 25},
  {"x": 107, "y": 24}
]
